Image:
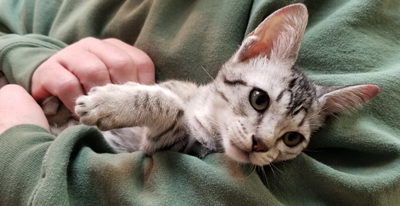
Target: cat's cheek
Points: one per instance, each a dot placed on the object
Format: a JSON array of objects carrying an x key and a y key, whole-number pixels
[{"x": 235, "y": 153}]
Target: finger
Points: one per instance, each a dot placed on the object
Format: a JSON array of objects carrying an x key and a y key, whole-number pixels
[
  {"x": 86, "y": 66},
  {"x": 120, "y": 65},
  {"x": 143, "y": 64},
  {"x": 39, "y": 93},
  {"x": 18, "y": 107},
  {"x": 62, "y": 84}
]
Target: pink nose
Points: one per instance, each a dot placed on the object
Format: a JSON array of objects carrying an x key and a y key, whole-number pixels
[{"x": 258, "y": 145}]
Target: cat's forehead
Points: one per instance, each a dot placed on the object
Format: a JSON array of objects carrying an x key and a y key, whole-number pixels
[
  {"x": 268, "y": 75},
  {"x": 287, "y": 86}
]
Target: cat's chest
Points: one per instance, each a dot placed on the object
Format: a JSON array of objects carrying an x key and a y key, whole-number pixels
[{"x": 202, "y": 120}]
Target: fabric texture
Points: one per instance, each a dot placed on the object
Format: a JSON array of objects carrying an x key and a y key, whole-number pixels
[{"x": 353, "y": 160}]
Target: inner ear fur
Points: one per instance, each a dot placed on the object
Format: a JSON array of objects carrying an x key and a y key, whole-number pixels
[
  {"x": 277, "y": 37},
  {"x": 336, "y": 99}
]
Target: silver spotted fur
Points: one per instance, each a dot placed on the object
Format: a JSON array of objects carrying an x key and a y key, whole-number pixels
[{"x": 259, "y": 109}]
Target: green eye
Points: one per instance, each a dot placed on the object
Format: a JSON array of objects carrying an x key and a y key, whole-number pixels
[
  {"x": 259, "y": 100},
  {"x": 292, "y": 139}
]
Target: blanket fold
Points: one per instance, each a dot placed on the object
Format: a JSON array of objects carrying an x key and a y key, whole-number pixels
[{"x": 353, "y": 160}]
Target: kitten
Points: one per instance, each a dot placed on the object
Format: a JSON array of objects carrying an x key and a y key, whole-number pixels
[{"x": 259, "y": 109}]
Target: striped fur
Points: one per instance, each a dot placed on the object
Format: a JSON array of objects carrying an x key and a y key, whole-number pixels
[{"x": 259, "y": 109}]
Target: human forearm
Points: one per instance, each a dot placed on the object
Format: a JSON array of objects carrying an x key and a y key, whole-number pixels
[{"x": 20, "y": 55}]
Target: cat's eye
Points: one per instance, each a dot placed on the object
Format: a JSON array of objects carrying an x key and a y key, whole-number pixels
[
  {"x": 292, "y": 139},
  {"x": 259, "y": 99}
]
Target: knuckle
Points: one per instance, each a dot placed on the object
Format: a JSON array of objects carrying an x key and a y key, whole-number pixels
[
  {"x": 122, "y": 63},
  {"x": 98, "y": 75},
  {"x": 48, "y": 64},
  {"x": 144, "y": 63},
  {"x": 67, "y": 85},
  {"x": 89, "y": 40},
  {"x": 91, "y": 65},
  {"x": 112, "y": 40}
]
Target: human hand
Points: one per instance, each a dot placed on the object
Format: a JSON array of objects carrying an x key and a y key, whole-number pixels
[
  {"x": 18, "y": 107},
  {"x": 73, "y": 71}
]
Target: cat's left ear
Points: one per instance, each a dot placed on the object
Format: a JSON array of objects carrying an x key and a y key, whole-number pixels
[
  {"x": 278, "y": 37},
  {"x": 336, "y": 99}
]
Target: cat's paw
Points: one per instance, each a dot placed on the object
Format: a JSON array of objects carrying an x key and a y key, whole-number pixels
[{"x": 99, "y": 107}]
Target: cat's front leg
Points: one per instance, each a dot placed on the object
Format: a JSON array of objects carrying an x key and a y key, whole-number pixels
[{"x": 131, "y": 104}]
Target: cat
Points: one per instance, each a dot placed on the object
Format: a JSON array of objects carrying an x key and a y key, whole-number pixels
[{"x": 259, "y": 109}]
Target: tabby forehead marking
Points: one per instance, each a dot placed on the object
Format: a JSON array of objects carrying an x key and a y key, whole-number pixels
[
  {"x": 302, "y": 121},
  {"x": 302, "y": 93},
  {"x": 280, "y": 95}
]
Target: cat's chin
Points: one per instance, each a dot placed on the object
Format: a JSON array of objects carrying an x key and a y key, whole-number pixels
[{"x": 235, "y": 153}]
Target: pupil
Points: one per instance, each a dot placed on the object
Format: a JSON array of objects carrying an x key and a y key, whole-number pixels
[
  {"x": 261, "y": 100},
  {"x": 292, "y": 137}
]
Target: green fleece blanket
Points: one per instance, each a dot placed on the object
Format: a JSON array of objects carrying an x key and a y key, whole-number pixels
[{"x": 353, "y": 160}]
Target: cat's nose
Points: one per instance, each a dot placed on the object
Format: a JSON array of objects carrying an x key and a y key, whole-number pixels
[{"x": 258, "y": 145}]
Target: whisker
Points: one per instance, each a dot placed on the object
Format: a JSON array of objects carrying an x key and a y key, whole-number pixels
[
  {"x": 272, "y": 169},
  {"x": 252, "y": 169},
  {"x": 312, "y": 150},
  {"x": 276, "y": 167},
  {"x": 284, "y": 162},
  {"x": 207, "y": 73},
  {"x": 264, "y": 175}
]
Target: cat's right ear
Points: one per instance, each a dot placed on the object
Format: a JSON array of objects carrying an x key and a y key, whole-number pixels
[
  {"x": 336, "y": 99},
  {"x": 278, "y": 37}
]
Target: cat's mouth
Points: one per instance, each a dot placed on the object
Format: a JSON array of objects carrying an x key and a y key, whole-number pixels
[
  {"x": 238, "y": 153},
  {"x": 246, "y": 155}
]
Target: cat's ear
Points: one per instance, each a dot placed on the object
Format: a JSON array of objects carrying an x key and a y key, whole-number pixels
[
  {"x": 336, "y": 99},
  {"x": 278, "y": 37}
]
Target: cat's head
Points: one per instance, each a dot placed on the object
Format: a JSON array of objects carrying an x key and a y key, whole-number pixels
[{"x": 273, "y": 108}]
